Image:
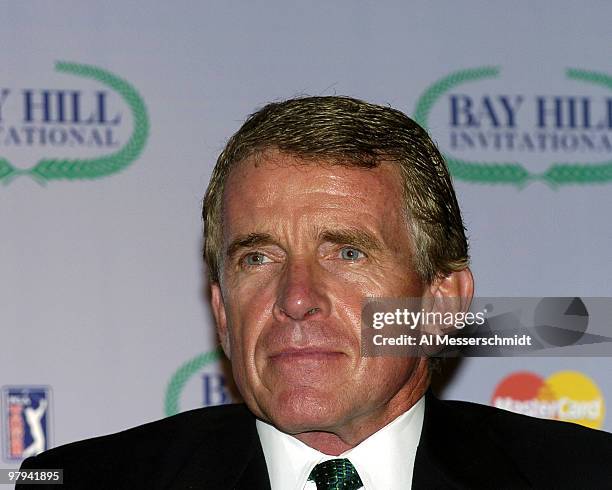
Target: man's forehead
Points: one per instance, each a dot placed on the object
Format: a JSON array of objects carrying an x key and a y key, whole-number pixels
[
  {"x": 275, "y": 174},
  {"x": 282, "y": 193}
]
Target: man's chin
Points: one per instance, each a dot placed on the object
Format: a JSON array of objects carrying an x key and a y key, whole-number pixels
[{"x": 300, "y": 410}]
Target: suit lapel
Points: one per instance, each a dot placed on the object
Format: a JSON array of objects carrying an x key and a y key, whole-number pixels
[
  {"x": 229, "y": 457},
  {"x": 255, "y": 475},
  {"x": 456, "y": 450}
]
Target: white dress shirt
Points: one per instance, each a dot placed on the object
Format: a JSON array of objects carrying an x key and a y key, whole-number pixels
[{"x": 384, "y": 461}]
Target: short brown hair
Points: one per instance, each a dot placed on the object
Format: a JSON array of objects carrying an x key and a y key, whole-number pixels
[{"x": 351, "y": 132}]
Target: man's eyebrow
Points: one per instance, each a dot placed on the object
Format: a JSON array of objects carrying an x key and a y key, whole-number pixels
[
  {"x": 250, "y": 240},
  {"x": 357, "y": 237}
]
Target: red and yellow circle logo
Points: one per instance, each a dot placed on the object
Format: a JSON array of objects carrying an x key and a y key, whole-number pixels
[{"x": 566, "y": 395}]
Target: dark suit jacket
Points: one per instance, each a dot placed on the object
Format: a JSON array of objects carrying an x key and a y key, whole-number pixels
[{"x": 462, "y": 446}]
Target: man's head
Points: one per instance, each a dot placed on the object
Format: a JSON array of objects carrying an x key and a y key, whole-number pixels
[{"x": 314, "y": 205}]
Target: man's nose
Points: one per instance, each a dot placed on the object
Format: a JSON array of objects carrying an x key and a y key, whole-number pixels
[{"x": 301, "y": 294}]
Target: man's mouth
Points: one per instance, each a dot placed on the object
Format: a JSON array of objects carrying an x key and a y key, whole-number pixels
[{"x": 306, "y": 354}]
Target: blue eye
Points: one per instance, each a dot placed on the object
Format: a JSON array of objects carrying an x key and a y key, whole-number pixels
[
  {"x": 256, "y": 258},
  {"x": 350, "y": 253}
]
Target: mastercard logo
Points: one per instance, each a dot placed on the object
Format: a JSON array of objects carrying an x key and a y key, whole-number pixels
[{"x": 566, "y": 395}]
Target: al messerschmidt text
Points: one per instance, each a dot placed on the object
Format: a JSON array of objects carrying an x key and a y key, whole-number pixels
[{"x": 449, "y": 340}]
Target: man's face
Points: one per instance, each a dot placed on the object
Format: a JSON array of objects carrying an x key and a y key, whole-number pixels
[{"x": 304, "y": 244}]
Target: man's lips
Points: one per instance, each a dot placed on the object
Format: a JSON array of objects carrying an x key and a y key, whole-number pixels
[{"x": 306, "y": 354}]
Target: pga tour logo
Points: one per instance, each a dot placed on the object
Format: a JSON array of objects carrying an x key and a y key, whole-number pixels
[{"x": 26, "y": 421}]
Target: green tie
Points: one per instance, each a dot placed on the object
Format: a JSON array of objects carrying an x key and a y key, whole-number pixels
[{"x": 336, "y": 474}]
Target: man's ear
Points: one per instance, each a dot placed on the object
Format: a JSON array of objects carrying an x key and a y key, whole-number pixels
[
  {"x": 452, "y": 293},
  {"x": 218, "y": 308},
  {"x": 455, "y": 290}
]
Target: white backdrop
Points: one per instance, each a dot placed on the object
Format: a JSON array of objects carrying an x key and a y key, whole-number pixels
[{"x": 101, "y": 286}]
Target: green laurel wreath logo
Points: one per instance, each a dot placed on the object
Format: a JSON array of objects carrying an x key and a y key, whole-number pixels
[
  {"x": 182, "y": 375},
  {"x": 92, "y": 168},
  {"x": 6, "y": 169},
  {"x": 513, "y": 172}
]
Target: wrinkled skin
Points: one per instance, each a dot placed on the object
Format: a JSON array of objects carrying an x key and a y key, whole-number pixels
[{"x": 304, "y": 243}]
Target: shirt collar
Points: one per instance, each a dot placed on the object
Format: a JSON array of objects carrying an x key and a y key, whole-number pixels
[{"x": 384, "y": 460}]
